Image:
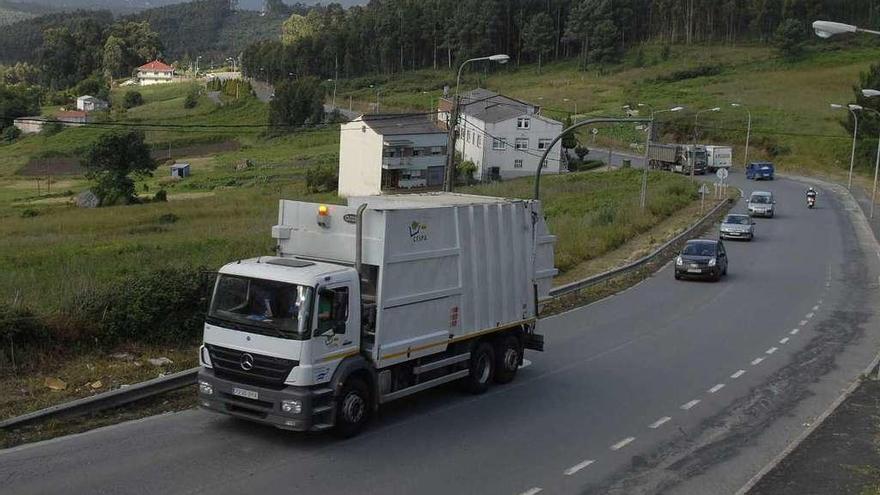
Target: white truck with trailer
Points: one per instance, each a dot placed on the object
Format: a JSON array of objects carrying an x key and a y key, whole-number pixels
[
  {"x": 374, "y": 301},
  {"x": 718, "y": 157}
]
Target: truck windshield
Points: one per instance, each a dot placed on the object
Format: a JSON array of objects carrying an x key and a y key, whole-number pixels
[{"x": 262, "y": 306}]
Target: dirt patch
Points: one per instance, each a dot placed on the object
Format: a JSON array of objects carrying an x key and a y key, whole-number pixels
[
  {"x": 841, "y": 456},
  {"x": 53, "y": 165},
  {"x": 195, "y": 150}
]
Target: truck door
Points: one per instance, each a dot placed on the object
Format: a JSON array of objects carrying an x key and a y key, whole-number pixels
[{"x": 335, "y": 335}]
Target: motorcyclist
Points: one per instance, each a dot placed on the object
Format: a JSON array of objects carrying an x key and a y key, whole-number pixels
[{"x": 811, "y": 194}]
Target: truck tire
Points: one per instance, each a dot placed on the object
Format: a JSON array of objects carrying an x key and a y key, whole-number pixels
[
  {"x": 482, "y": 369},
  {"x": 352, "y": 408},
  {"x": 508, "y": 355}
]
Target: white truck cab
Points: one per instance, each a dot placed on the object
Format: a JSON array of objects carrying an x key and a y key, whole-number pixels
[{"x": 369, "y": 303}]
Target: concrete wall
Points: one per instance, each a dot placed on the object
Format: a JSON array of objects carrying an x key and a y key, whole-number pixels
[{"x": 360, "y": 160}]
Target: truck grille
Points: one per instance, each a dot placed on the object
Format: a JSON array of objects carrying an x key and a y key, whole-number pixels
[{"x": 267, "y": 371}]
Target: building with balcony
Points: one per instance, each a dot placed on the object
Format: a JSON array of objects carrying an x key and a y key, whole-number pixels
[
  {"x": 386, "y": 152},
  {"x": 503, "y": 136}
]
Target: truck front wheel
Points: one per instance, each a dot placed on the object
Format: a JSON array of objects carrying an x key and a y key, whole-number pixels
[
  {"x": 352, "y": 408},
  {"x": 482, "y": 369},
  {"x": 508, "y": 354}
]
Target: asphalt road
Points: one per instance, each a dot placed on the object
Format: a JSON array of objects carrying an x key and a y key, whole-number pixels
[{"x": 667, "y": 387}]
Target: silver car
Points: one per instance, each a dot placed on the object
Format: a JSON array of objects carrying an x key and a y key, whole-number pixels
[
  {"x": 737, "y": 226},
  {"x": 762, "y": 204}
]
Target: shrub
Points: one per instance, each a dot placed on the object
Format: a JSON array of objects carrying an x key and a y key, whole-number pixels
[
  {"x": 165, "y": 306},
  {"x": 132, "y": 99},
  {"x": 51, "y": 128},
  {"x": 581, "y": 151},
  {"x": 665, "y": 52},
  {"x": 168, "y": 218},
  {"x": 29, "y": 213},
  {"x": 160, "y": 195},
  {"x": 21, "y": 333},
  {"x": 321, "y": 178},
  {"x": 465, "y": 171},
  {"x": 11, "y": 133},
  {"x": 693, "y": 73},
  {"x": 192, "y": 98}
]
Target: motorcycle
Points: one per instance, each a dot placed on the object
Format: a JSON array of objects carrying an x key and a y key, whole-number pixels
[{"x": 811, "y": 201}]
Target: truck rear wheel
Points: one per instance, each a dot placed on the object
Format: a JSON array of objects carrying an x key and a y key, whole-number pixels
[
  {"x": 508, "y": 355},
  {"x": 482, "y": 369},
  {"x": 352, "y": 408}
]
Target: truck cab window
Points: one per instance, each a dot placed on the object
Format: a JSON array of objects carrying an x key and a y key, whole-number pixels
[{"x": 332, "y": 310}]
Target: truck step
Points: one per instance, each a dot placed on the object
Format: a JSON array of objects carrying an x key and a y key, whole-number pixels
[
  {"x": 321, "y": 427},
  {"x": 322, "y": 391},
  {"x": 321, "y": 410},
  {"x": 418, "y": 370},
  {"x": 422, "y": 386}
]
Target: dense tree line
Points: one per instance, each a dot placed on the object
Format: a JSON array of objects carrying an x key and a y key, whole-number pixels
[{"x": 396, "y": 35}]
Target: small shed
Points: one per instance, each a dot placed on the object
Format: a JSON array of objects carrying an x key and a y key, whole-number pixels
[{"x": 180, "y": 170}]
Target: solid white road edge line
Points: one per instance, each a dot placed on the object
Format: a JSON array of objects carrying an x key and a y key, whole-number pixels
[
  {"x": 577, "y": 467},
  {"x": 690, "y": 404},
  {"x": 623, "y": 443},
  {"x": 738, "y": 374},
  {"x": 660, "y": 422},
  {"x": 716, "y": 388}
]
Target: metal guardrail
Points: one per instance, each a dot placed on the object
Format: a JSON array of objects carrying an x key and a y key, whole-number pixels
[
  {"x": 602, "y": 277},
  {"x": 106, "y": 400},
  {"x": 161, "y": 385}
]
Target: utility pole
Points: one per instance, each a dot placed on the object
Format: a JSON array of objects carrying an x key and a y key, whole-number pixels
[{"x": 450, "y": 145}]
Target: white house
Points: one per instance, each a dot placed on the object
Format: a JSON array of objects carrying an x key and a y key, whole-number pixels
[
  {"x": 155, "y": 72},
  {"x": 88, "y": 103},
  {"x": 383, "y": 152},
  {"x": 503, "y": 136}
]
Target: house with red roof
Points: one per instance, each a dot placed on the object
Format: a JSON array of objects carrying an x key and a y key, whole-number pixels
[{"x": 155, "y": 72}]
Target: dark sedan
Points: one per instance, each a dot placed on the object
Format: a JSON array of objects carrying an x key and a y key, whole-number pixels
[{"x": 702, "y": 258}]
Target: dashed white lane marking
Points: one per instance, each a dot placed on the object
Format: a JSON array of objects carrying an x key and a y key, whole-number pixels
[
  {"x": 690, "y": 404},
  {"x": 738, "y": 374},
  {"x": 783, "y": 340},
  {"x": 771, "y": 350},
  {"x": 757, "y": 361},
  {"x": 526, "y": 364},
  {"x": 816, "y": 308},
  {"x": 809, "y": 315},
  {"x": 802, "y": 323},
  {"x": 794, "y": 331},
  {"x": 532, "y": 491},
  {"x": 660, "y": 422},
  {"x": 623, "y": 443},
  {"x": 577, "y": 467},
  {"x": 716, "y": 388}
]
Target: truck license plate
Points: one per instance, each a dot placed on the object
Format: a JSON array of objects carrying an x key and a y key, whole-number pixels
[
  {"x": 694, "y": 270},
  {"x": 248, "y": 394}
]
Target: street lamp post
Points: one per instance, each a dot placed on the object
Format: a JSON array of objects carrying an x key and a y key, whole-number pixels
[
  {"x": 378, "y": 90},
  {"x": 827, "y": 29},
  {"x": 870, "y": 93},
  {"x": 643, "y": 195},
  {"x": 748, "y": 131},
  {"x": 852, "y": 156},
  {"x": 449, "y": 180},
  {"x": 693, "y": 153}
]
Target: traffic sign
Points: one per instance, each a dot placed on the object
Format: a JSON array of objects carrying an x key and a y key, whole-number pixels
[
  {"x": 722, "y": 173},
  {"x": 704, "y": 189},
  {"x": 594, "y": 131}
]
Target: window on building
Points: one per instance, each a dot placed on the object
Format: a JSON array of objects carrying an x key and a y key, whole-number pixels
[
  {"x": 438, "y": 150},
  {"x": 522, "y": 143},
  {"x": 499, "y": 144},
  {"x": 543, "y": 144},
  {"x": 469, "y": 135},
  {"x": 523, "y": 123},
  {"x": 479, "y": 141},
  {"x": 517, "y": 164}
]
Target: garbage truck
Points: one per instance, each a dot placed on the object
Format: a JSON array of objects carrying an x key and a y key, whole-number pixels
[{"x": 374, "y": 301}]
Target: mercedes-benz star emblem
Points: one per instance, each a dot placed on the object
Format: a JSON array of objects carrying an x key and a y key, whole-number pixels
[{"x": 247, "y": 362}]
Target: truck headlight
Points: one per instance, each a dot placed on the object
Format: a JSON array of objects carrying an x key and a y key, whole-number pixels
[
  {"x": 206, "y": 388},
  {"x": 205, "y": 357},
  {"x": 679, "y": 261},
  {"x": 291, "y": 406},
  {"x": 712, "y": 262}
]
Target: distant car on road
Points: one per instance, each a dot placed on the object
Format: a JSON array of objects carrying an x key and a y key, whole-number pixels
[
  {"x": 737, "y": 226},
  {"x": 759, "y": 171},
  {"x": 762, "y": 204},
  {"x": 702, "y": 258}
]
